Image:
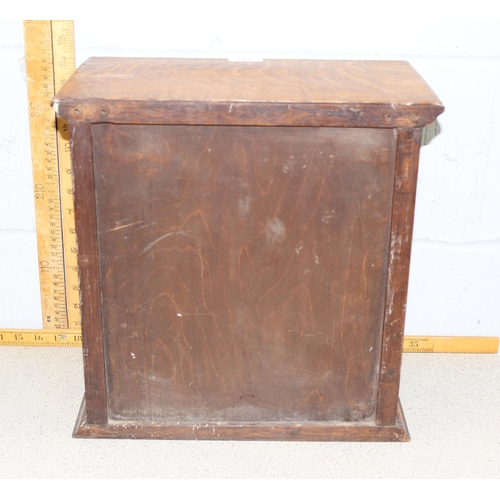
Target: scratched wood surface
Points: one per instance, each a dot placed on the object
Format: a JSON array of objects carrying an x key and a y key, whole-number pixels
[
  {"x": 243, "y": 270},
  {"x": 88, "y": 270},
  {"x": 314, "y": 81},
  {"x": 272, "y": 92},
  {"x": 244, "y": 235}
]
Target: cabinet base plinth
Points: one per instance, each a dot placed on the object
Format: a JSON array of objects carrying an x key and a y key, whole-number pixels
[{"x": 234, "y": 431}]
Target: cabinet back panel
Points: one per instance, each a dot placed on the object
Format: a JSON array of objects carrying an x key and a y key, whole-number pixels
[{"x": 243, "y": 270}]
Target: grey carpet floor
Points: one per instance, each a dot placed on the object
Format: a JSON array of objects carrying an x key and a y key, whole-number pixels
[{"x": 451, "y": 403}]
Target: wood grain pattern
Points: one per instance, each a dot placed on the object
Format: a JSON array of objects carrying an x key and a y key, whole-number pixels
[
  {"x": 275, "y": 92},
  {"x": 260, "y": 431},
  {"x": 317, "y": 81},
  {"x": 244, "y": 241},
  {"x": 405, "y": 187},
  {"x": 243, "y": 270},
  {"x": 88, "y": 265},
  {"x": 246, "y": 113}
]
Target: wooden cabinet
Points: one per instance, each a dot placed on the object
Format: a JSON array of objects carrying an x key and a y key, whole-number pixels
[{"x": 244, "y": 234}]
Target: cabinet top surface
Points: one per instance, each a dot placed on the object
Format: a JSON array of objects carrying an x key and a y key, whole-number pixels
[
  {"x": 270, "y": 92},
  {"x": 289, "y": 81}
]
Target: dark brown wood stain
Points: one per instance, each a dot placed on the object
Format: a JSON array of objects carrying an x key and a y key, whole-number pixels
[{"x": 244, "y": 249}]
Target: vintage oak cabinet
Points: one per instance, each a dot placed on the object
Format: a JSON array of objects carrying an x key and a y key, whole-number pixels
[{"x": 244, "y": 234}]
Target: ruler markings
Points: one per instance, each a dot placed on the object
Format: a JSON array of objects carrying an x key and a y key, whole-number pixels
[
  {"x": 437, "y": 344},
  {"x": 50, "y": 61},
  {"x": 40, "y": 83},
  {"x": 43, "y": 338},
  {"x": 63, "y": 49},
  {"x": 455, "y": 344}
]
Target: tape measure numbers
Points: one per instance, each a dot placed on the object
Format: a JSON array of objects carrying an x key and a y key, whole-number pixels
[
  {"x": 46, "y": 338},
  {"x": 455, "y": 344},
  {"x": 73, "y": 338},
  {"x": 50, "y": 61}
]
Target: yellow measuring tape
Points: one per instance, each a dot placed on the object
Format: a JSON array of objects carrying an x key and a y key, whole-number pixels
[
  {"x": 478, "y": 345},
  {"x": 68, "y": 338},
  {"x": 50, "y": 61},
  {"x": 46, "y": 338}
]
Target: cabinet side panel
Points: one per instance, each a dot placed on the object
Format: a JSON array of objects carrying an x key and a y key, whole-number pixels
[
  {"x": 405, "y": 187},
  {"x": 243, "y": 270},
  {"x": 88, "y": 263}
]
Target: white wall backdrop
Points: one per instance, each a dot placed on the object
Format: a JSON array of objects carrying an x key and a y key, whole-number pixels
[{"x": 455, "y": 270}]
